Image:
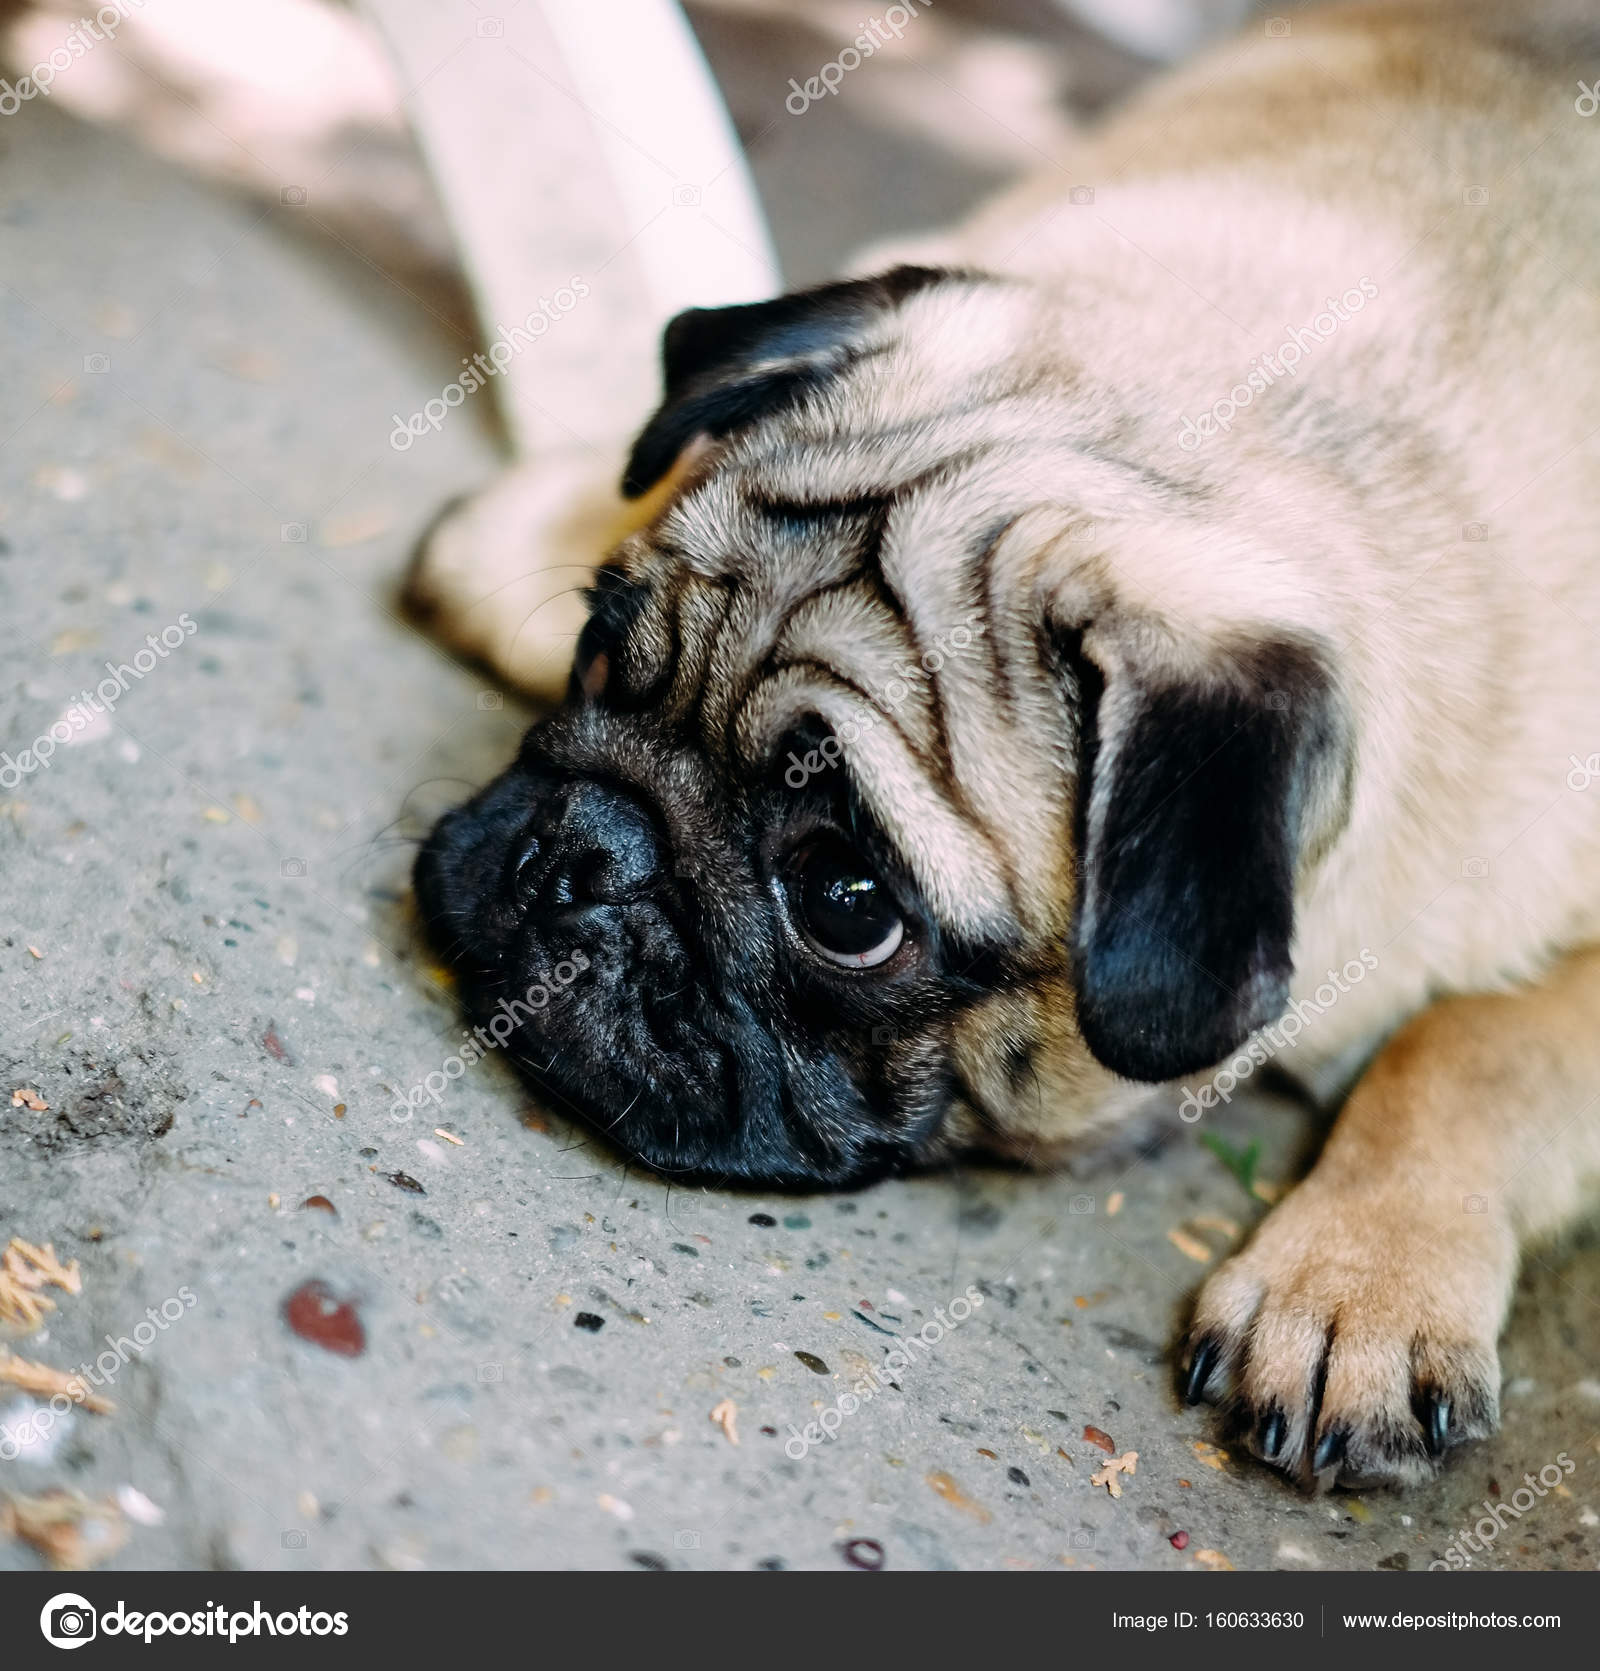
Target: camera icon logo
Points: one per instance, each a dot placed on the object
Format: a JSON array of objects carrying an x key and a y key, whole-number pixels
[
  {"x": 1474, "y": 1203},
  {"x": 96, "y": 364},
  {"x": 489, "y": 700},
  {"x": 685, "y": 1540},
  {"x": 686, "y": 197},
  {"x": 491, "y": 28},
  {"x": 292, "y": 867},
  {"x": 1081, "y": 1204},
  {"x": 292, "y": 533},
  {"x": 883, "y": 1035},
  {"x": 293, "y": 197},
  {"x": 1081, "y": 194},
  {"x": 68, "y": 1621},
  {"x": 1277, "y": 27},
  {"x": 1475, "y": 194},
  {"x": 293, "y": 1540},
  {"x": 1278, "y": 701},
  {"x": 1475, "y": 531},
  {"x": 491, "y": 1374},
  {"x": 1083, "y": 1540},
  {"x": 1475, "y": 867}
]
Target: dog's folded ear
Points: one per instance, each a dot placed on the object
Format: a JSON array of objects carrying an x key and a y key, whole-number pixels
[
  {"x": 1202, "y": 797},
  {"x": 723, "y": 368}
]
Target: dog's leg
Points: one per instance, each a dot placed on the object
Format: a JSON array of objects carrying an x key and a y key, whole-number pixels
[
  {"x": 593, "y": 193},
  {"x": 500, "y": 576},
  {"x": 1357, "y": 1332}
]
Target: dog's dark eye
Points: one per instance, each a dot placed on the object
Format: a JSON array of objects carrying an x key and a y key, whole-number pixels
[
  {"x": 616, "y": 603},
  {"x": 591, "y": 662},
  {"x": 842, "y": 909}
]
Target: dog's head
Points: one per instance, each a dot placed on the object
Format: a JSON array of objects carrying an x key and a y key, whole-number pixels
[{"x": 924, "y": 780}]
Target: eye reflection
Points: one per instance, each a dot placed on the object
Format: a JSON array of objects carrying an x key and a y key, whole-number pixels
[{"x": 841, "y": 907}]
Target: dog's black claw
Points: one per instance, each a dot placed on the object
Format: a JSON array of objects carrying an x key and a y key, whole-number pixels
[
  {"x": 1330, "y": 1449},
  {"x": 1436, "y": 1423},
  {"x": 1200, "y": 1367},
  {"x": 1273, "y": 1429}
]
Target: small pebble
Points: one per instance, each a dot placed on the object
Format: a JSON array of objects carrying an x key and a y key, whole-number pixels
[
  {"x": 138, "y": 1507},
  {"x": 866, "y": 1554},
  {"x": 316, "y": 1314}
]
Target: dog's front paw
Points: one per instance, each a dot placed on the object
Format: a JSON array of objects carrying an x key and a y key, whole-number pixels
[
  {"x": 500, "y": 575},
  {"x": 1355, "y": 1337}
]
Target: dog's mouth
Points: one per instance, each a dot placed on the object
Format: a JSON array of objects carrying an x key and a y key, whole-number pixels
[{"x": 648, "y": 1004}]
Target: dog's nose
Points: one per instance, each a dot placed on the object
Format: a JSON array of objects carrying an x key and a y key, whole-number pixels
[{"x": 603, "y": 850}]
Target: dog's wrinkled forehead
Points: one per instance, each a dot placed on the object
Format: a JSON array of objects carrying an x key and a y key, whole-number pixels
[{"x": 811, "y": 613}]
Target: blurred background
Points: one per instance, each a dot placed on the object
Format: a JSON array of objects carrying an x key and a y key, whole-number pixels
[{"x": 254, "y": 93}]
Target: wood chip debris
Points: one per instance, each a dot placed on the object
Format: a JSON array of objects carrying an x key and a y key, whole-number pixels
[
  {"x": 26, "y": 1097},
  {"x": 25, "y": 1270},
  {"x": 1099, "y": 1436},
  {"x": 46, "y": 1382},
  {"x": 1190, "y": 1247},
  {"x": 1212, "y": 1455},
  {"x": 1214, "y": 1221},
  {"x": 1213, "y": 1558},
  {"x": 352, "y": 528},
  {"x": 726, "y": 1416},
  {"x": 1127, "y": 1463},
  {"x": 952, "y": 1493},
  {"x": 449, "y": 1137},
  {"x": 71, "y": 1532},
  {"x": 1114, "y": 1203}
]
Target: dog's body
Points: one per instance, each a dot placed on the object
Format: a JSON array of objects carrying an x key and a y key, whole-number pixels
[{"x": 1122, "y": 730}]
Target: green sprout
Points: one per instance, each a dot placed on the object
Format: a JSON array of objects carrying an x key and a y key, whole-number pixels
[{"x": 1240, "y": 1162}]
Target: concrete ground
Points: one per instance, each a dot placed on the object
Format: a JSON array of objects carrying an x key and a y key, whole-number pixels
[{"x": 209, "y": 976}]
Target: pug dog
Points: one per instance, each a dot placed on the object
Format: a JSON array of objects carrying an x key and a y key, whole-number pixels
[{"x": 1162, "y": 608}]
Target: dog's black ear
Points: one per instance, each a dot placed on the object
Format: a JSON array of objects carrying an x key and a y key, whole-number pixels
[
  {"x": 725, "y": 367},
  {"x": 1201, "y": 799}
]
